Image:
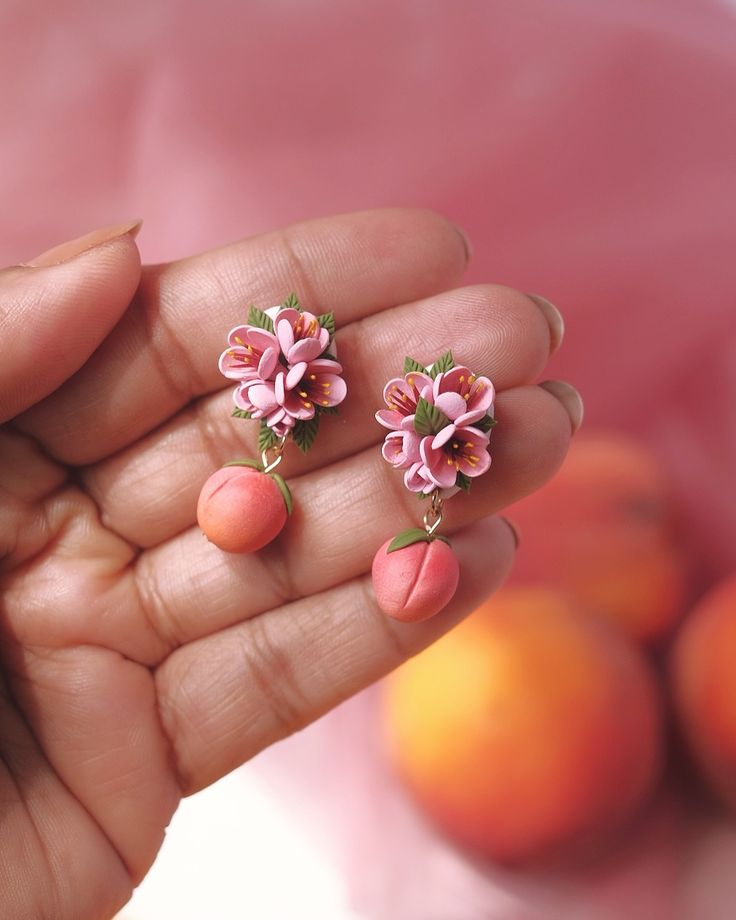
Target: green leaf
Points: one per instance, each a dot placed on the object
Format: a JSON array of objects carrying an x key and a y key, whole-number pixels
[
  {"x": 240, "y": 413},
  {"x": 266, "y": 438},
  {"x": 328, "y": 410},
  {"x": 411, "y": 365},
  {"x": 304, "y": 433},
  {"x": 407, "y": 537},
  {"x": 463, "y": 482},
  {"x": 486, "y": 423},
  {"x": 288, "y": 501},
  {"x": 445, "y": 363},
  {"x": 428, "y": 419},
  {"x": 292, "y": 302},
  {"x": 327, "y": 321},
  {"x": 258, "y": 318},
  {"x": 246, "y": 461}
]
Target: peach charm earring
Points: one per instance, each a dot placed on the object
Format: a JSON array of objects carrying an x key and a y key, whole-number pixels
[
  {"x": 439, "y": 420},
  {"x": 288, "y": 377}
]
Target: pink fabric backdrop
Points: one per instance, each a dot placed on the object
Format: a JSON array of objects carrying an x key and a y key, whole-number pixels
[{"x": 588, "y": 148}]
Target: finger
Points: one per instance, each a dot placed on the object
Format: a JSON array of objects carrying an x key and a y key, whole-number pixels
[
  {"x": 164, "y": 352},
  {"x": 343, "y": 513},
  {"x": 56, "y": 309},
  {"x": 226, "y": 697},
  {"x": 149, "y": 492}
]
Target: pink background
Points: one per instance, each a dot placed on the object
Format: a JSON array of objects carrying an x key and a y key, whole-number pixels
[{"x": 588, "y": 148}]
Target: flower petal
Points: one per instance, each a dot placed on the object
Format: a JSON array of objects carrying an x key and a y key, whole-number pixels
[
  {"x": 232, "y": 364},
  {"x": 443, "y": 436},
  {"x": 413, "y": 481},
  {"x": 439, "y": 471},
  {"x": 389, "y": 419},
  {"x": 267, "y": 364},
  {"x": 304, "y": 350},
  {"x": 260, "y": 339},
  {"x": 279, "y": 388},
  {"x": 331, "y": 395},
  {"x": 284, "y": 333},
  {"x": 324, "y": 366},
  {"x": 262, "y": 396},
  {"x": 295, "y": 374},
  {"x": 452, "y": 404}
]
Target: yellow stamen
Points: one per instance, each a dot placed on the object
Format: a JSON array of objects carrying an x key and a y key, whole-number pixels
[
  {"x": 307, "y": 405},
  {"x": 449, "y": 461},
  {"x": 239, "y": 340},
  {"x": 326, "y": 402},
  {"x": 303, "y": 394},
  {"x": 312, "y": 376}
]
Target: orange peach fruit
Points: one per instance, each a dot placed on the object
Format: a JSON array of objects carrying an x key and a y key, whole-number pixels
[
  {"x": 529, "y": 732},
  {"x": 703, "y": 679},
  {"x": 241, "y": 509},
  {"x": 603, "y": 531}
]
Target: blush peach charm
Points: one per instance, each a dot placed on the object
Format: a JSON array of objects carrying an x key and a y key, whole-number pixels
[
  {"x": 287, "y": 377},
  {"x": 439, "y": 420}
]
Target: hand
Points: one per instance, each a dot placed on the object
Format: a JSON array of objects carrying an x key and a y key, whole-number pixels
[{"x": 140, "y": 663}]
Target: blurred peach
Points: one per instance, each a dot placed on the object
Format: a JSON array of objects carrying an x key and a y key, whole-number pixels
[
  {"x": 530, "y": 732},
  {"x": 603, "y": 531},
  {"x": 703, "y": 675}
]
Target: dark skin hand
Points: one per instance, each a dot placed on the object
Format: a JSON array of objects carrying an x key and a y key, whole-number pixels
[{"x": 140, "y": 663}]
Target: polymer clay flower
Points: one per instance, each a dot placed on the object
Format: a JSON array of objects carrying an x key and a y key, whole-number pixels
[
  {"x": 300, "y": 335},
  {"x": 401, "y": 395},
  {"x": 454, "y": 450},
  {"x": 463, "y": 397},
  {"x": 251, "y": 352}
]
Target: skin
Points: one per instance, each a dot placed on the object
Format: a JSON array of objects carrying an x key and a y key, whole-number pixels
[{"x": 135, "y": 667}]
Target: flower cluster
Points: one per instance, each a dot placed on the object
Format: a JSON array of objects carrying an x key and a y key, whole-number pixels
[
  {"x": 439, "y": 423},
  {"x": 286, "y": 376}
]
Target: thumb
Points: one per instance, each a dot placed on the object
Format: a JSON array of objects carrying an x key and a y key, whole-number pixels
[{"x": 56, "y": 309}]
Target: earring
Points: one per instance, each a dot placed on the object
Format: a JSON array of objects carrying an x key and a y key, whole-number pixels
[
  {"x": 439, "y": 420},
  {"x": 287, "y": 377}
]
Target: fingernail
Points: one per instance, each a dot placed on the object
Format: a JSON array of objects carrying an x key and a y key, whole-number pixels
[
  {"x": 571, "y": 400},
  {"x": 465, "y": 239},
  {"x": 514, "y": 530},
  {"x": 69, "y": 250},
  {"x": 554, "y": 320}
]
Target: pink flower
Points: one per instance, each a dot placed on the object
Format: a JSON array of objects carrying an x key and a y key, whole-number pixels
[
  {"x": 401, "y": 395},
  {"x": 300, "y": 336},
  {"x": 454, "y": 450},
  {"x": 463, "y": 397},
  {"x": 401, "y": 449},
  {"x": 252, "y": 352}
]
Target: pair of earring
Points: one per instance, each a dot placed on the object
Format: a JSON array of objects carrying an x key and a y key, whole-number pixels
[{"x": 438, "y": 417}]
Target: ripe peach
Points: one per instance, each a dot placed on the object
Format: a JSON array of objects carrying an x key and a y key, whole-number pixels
[
  {"x": 603, "y": 531},
  {"x": 530, "y": 731},
  {"x": 241, "y": 509},
  {"x": 416, "y": 582},
  {"x": 704, "y": 685}
]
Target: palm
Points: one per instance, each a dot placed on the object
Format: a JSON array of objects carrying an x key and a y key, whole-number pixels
[{"x": 139, "y": 662}]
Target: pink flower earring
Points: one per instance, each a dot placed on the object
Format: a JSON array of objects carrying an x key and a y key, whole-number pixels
[
  {"x": 439, "y": 420},
  {"x": 287, "y": 377}
]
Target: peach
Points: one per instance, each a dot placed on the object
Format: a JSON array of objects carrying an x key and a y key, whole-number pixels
[
  {"x": 603, "y": 530},
  {"x": 531, "y": 731},
  {"x": 703, "y": 680},
  {"x": 415, "y": 582},
  {"x": 241, "y": 509}
]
